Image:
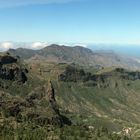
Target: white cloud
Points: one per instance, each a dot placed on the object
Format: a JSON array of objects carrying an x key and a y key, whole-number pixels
[
  {"x": 14, "y": 3},
  {"x": 37, "y": 45},
  {"x": 82, "y": 45},
  {"x": 6, "y": 46}
]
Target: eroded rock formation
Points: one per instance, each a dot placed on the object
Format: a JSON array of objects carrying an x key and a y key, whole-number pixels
[
  {"x": 7, "y": 59},
  {"x": 10, "y": 69}
]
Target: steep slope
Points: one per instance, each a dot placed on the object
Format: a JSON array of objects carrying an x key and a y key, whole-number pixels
[
  {"x": 89, "y": 97},
  {"x": 22, "y": 52},
  {"x": 78, "y": 55},
  {"x": 23, "y": 98},
  {"x": 113, "y": 94},
  {"x": 110, "y": 95}
]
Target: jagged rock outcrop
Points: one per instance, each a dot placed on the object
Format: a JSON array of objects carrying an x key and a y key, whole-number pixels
[
  {"x": 50, "y": 92},
  {"x": 57, "y": 118},
  {"x": 53, "y": 115},
  {"x": 10, "y": 69},
  {"x": 13, "y": 73},
  {"x": 7, "y": 59}
]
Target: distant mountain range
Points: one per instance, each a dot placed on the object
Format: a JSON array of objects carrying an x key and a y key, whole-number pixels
[
  {"x": 125, "y": 49},
  {"x": 78, "y": 55}
]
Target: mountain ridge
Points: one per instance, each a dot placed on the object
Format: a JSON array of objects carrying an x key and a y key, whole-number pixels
[{"x": 79, "y": 55}]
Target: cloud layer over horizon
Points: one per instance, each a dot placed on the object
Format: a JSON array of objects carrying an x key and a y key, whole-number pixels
[{"x": 4, "y": 46}]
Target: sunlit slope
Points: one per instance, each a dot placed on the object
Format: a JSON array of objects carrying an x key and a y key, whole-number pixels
[
  {"x": 102, "y": 97},
  {"x": 121, "y": 102},
  {"x": 111, "y": 93}
]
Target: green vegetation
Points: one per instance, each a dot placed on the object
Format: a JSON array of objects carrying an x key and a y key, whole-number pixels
[
  {"x": 28, "y": 131},
  {"x": 80, "y": 103}
]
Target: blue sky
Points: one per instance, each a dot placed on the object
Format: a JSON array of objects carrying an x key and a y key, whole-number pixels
[{"x": 70, "y": 21}]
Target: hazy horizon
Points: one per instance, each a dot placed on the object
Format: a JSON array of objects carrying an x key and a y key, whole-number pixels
[{"x": 123, "y": 49}]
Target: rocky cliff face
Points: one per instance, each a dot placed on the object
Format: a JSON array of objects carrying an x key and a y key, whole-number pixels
[
  {"x": 7, "y": 59},
  {"x": 11, "y": 70},
  {"x": 13, "y": 73},
  {"x": 51, "y": 98},
  {"x": 57, "y": 118},
  {"x": 102, "y": 79}
]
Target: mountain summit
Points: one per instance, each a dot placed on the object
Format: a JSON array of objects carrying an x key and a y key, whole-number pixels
[{"x": 78, "y": 55}]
